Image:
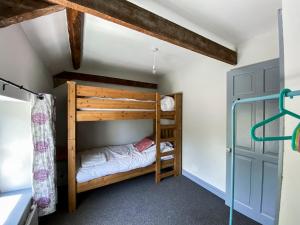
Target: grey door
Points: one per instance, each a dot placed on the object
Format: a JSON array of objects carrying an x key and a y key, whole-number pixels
[{"x": 256, "y": 162}]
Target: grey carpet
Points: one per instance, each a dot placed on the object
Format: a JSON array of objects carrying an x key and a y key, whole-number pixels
[{"x": 175, "y": 201}]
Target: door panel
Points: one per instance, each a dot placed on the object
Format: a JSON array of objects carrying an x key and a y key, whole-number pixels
[
  {"x": 269, "y": 189},
  {"x": 243, "y": 179},
  {"x": 270, "y": 83},
  {"x": 256, "y": 162},
  {"x": 244, "y": 114},
  {"x": 271, "y": 129},
  {"x": 243, "y": 84}
]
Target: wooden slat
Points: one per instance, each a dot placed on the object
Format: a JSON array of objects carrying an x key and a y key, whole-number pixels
[
  {"x": 167, "y": 115},
  {"x": 75, "y": 21},
  {"x": 72, "y": 146},
  {"x": 14, "y": 11},
  {"x": 113, "y": 115},
  {"x": 113, "y": 104},
  {"x": 157, "y": 139},
  {"x": 89, "y": 91},
  {"x": 167, "y": 174},
  {"x": 167, "y": 163},
  {"x": 71, "y": 110},
  {"x": 114, "y": 178},
  {"x": 134, "y": 17},
  {"x": 154, "y": 129},
  {"x": 167, "y": 127},
  {"x": 178, "y": 134},
  {"x": 168, "y": 139},
  {"x": 167, "y": 153},
  {"x": 61, "y": 78}
]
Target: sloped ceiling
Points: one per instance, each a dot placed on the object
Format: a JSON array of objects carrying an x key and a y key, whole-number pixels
[
  {"x": 233, "y": 20},
  {"x": 108, "y": 46}
]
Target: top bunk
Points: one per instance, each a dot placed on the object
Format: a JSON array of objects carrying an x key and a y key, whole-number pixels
[{"x": 90, "y": 103}]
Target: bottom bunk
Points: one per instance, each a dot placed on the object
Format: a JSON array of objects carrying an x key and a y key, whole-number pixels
[
  {"x": 114, "y": 178},
  {"x": 103, "y": 166}
]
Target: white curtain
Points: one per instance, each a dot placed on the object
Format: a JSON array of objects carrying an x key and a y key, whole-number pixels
[{"x": 44, "y": 167}]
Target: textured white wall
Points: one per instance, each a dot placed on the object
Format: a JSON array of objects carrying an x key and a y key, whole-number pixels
[
  {"x": 19, "y": 63},
  {"x": 203, "y": 83},
  {"x": 15, "y": 146},
  {"x": 290, "y": 195},
  {"x": 260, "y": 48}
]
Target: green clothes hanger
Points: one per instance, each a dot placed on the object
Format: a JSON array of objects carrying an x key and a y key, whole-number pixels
[{"x": 282, "y": 112}]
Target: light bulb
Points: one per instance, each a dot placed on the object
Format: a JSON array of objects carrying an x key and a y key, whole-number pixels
[{"x": 154, "y": 69}]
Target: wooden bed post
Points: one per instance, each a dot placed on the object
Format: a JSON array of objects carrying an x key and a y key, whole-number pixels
[
  {"x": 72, "y": 145},
  {"x": 178, "y": 133},
  {"x": 157, "y": 139}
]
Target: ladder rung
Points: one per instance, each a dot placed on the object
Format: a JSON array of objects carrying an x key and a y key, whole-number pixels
[
  {"x": 167, "y": 153},
  {"x": 167, "y": 163},
  {"x": 165, "y": 127},
  {"x": 171, "y": 139},
  {"x": 167, "y": 114},
  {"x": 167, "y": 174}
]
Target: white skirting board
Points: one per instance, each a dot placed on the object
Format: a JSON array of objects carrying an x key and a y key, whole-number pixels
[{"x": 202, "y": 183}]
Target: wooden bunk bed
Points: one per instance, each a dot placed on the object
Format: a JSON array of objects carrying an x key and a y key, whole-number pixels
[{"x": 89, "y": 103}]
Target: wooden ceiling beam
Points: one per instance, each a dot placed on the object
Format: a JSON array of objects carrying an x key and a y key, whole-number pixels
[
  {"x": 75, "y": 28},
  {"x": 66, "y": 76},
  {"x": 132, "y": 16},
  {"x": 16, "y": 11}
]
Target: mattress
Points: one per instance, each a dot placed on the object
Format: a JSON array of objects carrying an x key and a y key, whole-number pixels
[{"x": 120, "y": 158}]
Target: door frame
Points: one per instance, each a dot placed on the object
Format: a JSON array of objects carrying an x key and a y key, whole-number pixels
[{"x": 281, "y": 124}]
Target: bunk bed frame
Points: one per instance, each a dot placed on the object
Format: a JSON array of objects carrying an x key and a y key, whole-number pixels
[{"x": 115, "y": 108}]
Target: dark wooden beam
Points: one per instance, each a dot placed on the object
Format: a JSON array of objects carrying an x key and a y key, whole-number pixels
[
  {"x": 66, "y": 76},
  {"x": 75, "y": 27},
  {"x": 132, "y": 16},
  {"x": 16, "y": 11}
]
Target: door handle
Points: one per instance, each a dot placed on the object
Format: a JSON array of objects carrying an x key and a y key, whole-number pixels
[{"x": 228, "y": 149}]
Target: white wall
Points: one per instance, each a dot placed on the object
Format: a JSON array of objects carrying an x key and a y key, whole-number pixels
[
  {"x": 16, "y": 146},
  {"x": 262, "y": 47},
  {"x": 203, "y": 84},
  {"x": 93, "y": 134},
  {"x": 290, "y": 195},
  {"x": 19, "y": 63}
]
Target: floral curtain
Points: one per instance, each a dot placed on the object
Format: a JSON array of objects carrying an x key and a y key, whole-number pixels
[{"x": 44, "y": 167}]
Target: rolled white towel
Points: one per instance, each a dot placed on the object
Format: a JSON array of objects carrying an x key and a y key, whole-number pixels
[
  {"x": 92, "y": 158},
  {"x": 167, "y": 103}
]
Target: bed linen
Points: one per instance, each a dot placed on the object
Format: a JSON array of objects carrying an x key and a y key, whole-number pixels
[
  {"x": 92, "y": 158},
  {"x": 120, "y": 158}
]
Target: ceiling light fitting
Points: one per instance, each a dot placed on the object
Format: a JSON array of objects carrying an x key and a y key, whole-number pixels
[{"x": 154, "y": 67}]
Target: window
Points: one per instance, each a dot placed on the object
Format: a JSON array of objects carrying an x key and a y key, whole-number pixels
[{"x": 16, "y": 148}]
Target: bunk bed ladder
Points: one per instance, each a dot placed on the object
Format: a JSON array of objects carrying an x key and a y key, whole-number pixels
[{"x": 168, "y": 133}]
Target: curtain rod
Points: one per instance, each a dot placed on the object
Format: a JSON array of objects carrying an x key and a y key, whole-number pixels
[{"x": 6, "y": 82}]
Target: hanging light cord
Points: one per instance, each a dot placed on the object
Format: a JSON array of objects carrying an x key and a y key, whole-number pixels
[{"x": 155, "y": 51}]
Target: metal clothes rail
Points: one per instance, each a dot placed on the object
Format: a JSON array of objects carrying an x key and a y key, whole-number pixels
[
  {"x": 233, "y": 137},
  {"x": 6, "y": 82}
]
